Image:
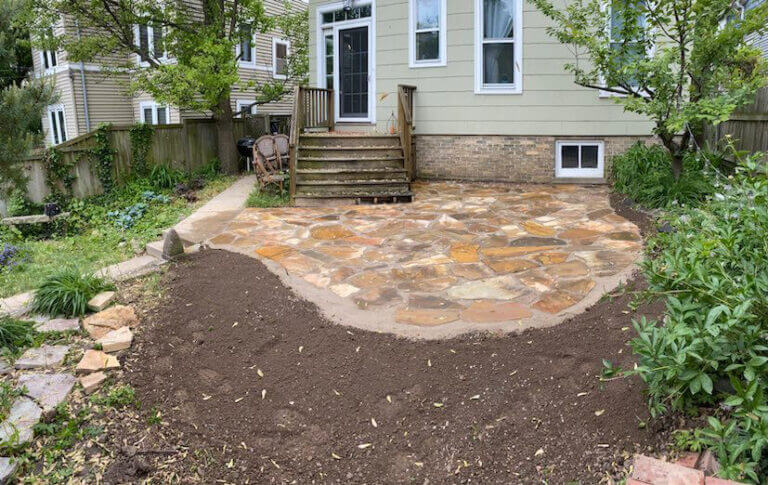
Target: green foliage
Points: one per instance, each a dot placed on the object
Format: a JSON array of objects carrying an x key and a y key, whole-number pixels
[
  {"x": 163, "y": 176},
  {"x": 711, "y": 349},
  {"x": 209, "y": 171},
  {"x": 15, "y": 334},
  {"x": 684, "y": 67},
  {"x": 67, "y": 292},
  {"x": 141, "y": 142},
  {"x": 104, "y": 156},
  {"x": 15, "y": 52},
  {"x": 59, "y": 176},
  {"x": 270, "y": 197},
  {"x": 644, "y": 174},
  {"x": 19, "y": 205},
  {"x": 8, "y": 394},
  {"x": 117, "y": 397}
]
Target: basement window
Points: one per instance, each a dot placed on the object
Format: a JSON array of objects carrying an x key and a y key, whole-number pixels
[{"x": 579, "y": 159}]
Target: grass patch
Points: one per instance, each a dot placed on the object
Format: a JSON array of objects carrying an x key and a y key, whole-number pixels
[
  {"x": 67, "y": 292},
  {"x": 92, "y": 240},
  {"x": 270, "y": 197},
  {"x": 15, "y": 334},
  {"x": 117, "y": 397}
]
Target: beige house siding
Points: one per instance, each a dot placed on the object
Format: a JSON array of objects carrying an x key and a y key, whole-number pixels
[{"x": 446, "y": 102}]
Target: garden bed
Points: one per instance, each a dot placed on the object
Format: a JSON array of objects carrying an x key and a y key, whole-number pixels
[{"x": 253, "y": 382}]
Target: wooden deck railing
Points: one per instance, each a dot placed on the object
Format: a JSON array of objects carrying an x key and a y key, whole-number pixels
[
  {"x": 312, "y": 108},
  {"x": 405, "y": 124}
]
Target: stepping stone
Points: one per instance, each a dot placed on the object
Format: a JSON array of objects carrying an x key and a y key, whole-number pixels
[
  {"x": 7, "y": 469},
  {"x": 115, "y": 340},
  {"x": 23, "y": 416},
  {"x": 96, "y": 360},
  {"x": 499, "y": 288},
  {"x": 43, "y": 356},
  {"x": 101, "y": 301},
  {"x": 92, "y": 382},
  {"x": 5, "y": 367},
  {"x": 49, "y": 390},
  {"x": 59, "y": 325},
  {"x": 17, "y": 305},
  {"x": 112, "y": 318}
]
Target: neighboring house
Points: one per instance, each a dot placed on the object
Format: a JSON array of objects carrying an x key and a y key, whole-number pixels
[
  {"x": 493, "y": 100},
  {"x": 761, "y": 41},
  {"x": 88, "y": 96}
]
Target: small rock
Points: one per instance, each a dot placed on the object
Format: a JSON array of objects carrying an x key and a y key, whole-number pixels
[
  {"x": 101, "y": 301},
  {"x": 49, "y": 390},
  {"x": 59, "y": 325},
  {"x": 23, "y": 416},
  {"x": 96, "y": 360},
  {"x": 7, "y": 469},
  {"x": 100, "y": 324},
  {"x": 116, "y": 340},
  {"x": 5, "y": 367},
  {"x": 666, "y": 228},
  {"x": 43, "y": 356},
  {"x": 172, "y": 245},
  {"x": 92, "y": 382}
]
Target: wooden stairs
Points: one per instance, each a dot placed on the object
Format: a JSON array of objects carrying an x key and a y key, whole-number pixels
[{"x": 333, "y": 168}]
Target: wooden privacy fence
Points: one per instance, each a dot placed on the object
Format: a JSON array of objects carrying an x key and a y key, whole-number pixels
[
  {"x": 747, "y": 127},
  {"x": 184, "y": 146}
]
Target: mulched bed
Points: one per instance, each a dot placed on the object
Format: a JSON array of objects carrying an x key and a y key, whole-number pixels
[{"x": 334, "y": 404}]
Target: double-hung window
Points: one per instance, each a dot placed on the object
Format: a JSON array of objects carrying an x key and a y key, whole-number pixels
[
  {"x": 244, "y": 50},
  {"x": 151, "y": 42},
  {"x": 245, "y": 106},
  {"x": 280, "y": 58},
  {"x": 627, "y": 38},
  {"x": 153, "y": 113},
  {"x": 48, "y": 58},
  {"x": 427, "y": 33},
  {"x": 57, "y": 125},
  {"x": 498, "y": 46}
]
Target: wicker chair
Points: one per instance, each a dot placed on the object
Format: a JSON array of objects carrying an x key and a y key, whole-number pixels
[
  {"x": 266, "y": 163},
  {"x": 283, "y": 148}
]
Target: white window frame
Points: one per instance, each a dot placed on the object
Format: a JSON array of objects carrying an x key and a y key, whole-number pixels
[
  {"x": 55, "y": 109},
  {"x": 517, "y": 87},
  {"x": 596, "y": 173},
  {"x": 238, "y": 50},
  {"x": 242, "y": 103},
  {"x": 154, "y": 106},
  {"x": 275, "y": 41},
  {"x": 150, "y": 44},
  {"x": 49, "y": 57},
  {"x": 442, "y": 59}
]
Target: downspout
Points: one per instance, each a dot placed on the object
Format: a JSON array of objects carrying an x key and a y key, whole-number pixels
[{"x": 82, "y": 85}]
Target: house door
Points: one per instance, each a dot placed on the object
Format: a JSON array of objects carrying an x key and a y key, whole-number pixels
[{"x": 353, "y": 74}]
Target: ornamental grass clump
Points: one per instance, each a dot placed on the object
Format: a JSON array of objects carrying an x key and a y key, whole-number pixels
[
  {"x": 710, "y": 354},
  {"x": 15, "y": 334},
  {"x": 67, "y": 293}
]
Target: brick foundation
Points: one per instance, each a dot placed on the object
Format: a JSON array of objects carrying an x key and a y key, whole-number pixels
[{"x": 506, "y": 158}]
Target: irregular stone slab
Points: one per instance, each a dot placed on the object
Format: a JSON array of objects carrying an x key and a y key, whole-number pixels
[
  {"x": 426, "y": 317},
  {"x": 606, "y": 263},
  {"x": 571, "y": 269},
  {"x": 23, "y": 416},
  {"x": 555, "y": 301},
  {"x": 92, "y": 382},
  {"x": 344, "y": 290},
  {"x": 432, "y": 302},
  {"x": 110, "y": 319},
  {"x": 7, "y": 469},
  {"x": 115, "y": 340},
  {"x": 470, "y": 271},
  {"x": 96, "y": 360},
  {"x": 376, "y": 296},
  {"x": 49, "y": 390},
  {"x": 499, "y": 288},
  {"x": 101, "y": 301},
  {"x": 624, "y": 236},
  {"x": 59, "y": 325},
  {"x": 17, "y": 305},
  {"x": 272, "y": 252},
  {"x": 551, "y": 257},
  {"x": 505, "y": 266},
  {"x": 330, "y": 232},
  {"x": 579, "y": 234},
  {"x": 172, "y": 245},
  {"x": 465, "y": 253},
  {"x": 537, "y": 241},
  {"x": 537, "y": 280},
  {"x": 5, "y": 367},
  {"x": 537, "y": 229},
  {"x": 578, "y": 287},
  {"x": 43, "y": 356},
  {"x": 512, "y": 251},
  {"x": 485, "y": 311}
]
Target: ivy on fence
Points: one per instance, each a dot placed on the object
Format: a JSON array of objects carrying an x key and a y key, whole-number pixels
[
  {"x": 104, "y": 155},
  {"x": 141, "y": 142},
  {"x": 58, "y": 176}
]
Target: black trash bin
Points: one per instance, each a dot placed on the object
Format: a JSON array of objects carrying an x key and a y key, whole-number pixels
[{"x": 245, "y": 148}]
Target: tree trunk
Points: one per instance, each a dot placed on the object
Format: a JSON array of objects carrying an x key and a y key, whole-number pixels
[
  {"x": 225, "y": 137},
  {"x": 677, "y": 165}
]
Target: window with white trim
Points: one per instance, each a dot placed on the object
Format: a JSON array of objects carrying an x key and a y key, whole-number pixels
[
  {"x": 626, "y": 48},
  {"x": 498, "y": 46},
  {"x": 427, "y": 34},
  {"x": 57, "y": 124},
  {"x": 245, "y": 104},
  {"x": 245, "y": 50},
  {"x": 153, "y": 113},
  {"x": 280, "y": 49},
  {"x": 48, "y": 59},
  {"x": 579, "y": 159},
  {"x": 151, "y": 40}
]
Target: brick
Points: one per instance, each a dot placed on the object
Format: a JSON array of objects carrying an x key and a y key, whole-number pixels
[
  {"x": 653, "y": 471},
  {"x": 688, "y": 459}
]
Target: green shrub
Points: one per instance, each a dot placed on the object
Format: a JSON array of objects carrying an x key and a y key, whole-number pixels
[
  {"x": 644, "y": 173},
  {"x": 67, "y": 293},
  {"x": 711, "y": 351},
  {"x": 15, "y": 334},
  {"x": 164, "y": 176}
]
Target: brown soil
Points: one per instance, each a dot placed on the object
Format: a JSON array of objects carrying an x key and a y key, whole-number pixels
[{"x": 342, "y": 405}]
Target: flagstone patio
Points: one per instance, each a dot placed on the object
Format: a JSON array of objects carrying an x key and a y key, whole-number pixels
[{"x": 461, "y": 257}]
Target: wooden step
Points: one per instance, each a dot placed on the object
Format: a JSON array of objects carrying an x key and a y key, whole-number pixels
[
  {"x": 351, "y": 182},
  {"x": 381, "y": 186},
  {"x": 345, "y": 159},
  {"x": 354, "y": 194},
  {"x": 321, "y": 140},
  {"x": 317, "y": 152},
  {"x": 397, "y": 174},
  {"x": 311, "y": 171},
  {"x": 349, "y": 164}
]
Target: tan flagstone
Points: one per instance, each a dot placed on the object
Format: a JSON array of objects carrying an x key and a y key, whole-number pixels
[
  {"x": 319, "y": 280},
  {"x": 551, "y": 257},
  {"x": 470, "y": 271},
  {"x": 504, "y": 266},
  {"x": 426, "y": 317},
  {"x": 376, "y": 297},
  {"x": 330, "y": 232},
  {"x": 499, "y": 288},
  {"x": 465, "y": 253},
  {"x": 223, "y": 239},
  {"x": 511, "y": 251},
  {"x": 369, "y": 279},
  {"x": 271, "y": 252},
  {"x": 537, "y": 280},
  {"x": 555, "y": 302},
  {"x": 344, "y": 290},
  {"x": 537, "y": 229},
  {"x": 570, "y": 269},
  {"x": 491, "y": 311},
  {"x": 579, "y": 234},
  {"x": 579, "y": 287}
]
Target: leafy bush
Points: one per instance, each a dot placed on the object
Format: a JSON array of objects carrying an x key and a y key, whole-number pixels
[
  {"x": 15, "y": 334},
  {"x": 712, "y": 349},
  {"x": 644, "y": 174},
  {"x": 67, "y": 293},
  {"x": 164, "y": 176},
  {"x": 126, "y": 218}
]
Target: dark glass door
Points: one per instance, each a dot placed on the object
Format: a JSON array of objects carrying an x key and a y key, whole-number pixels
[{"x": 353, "y": 73}]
